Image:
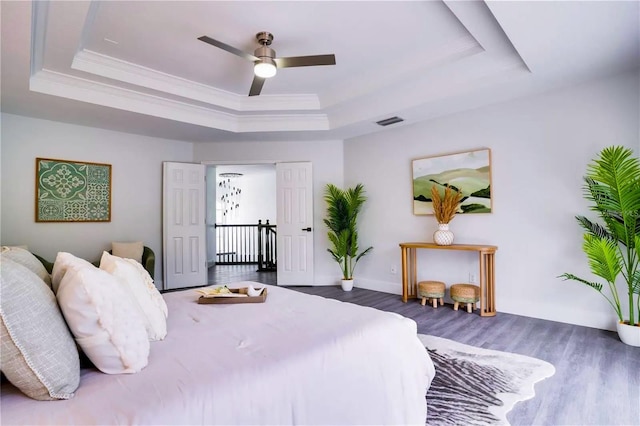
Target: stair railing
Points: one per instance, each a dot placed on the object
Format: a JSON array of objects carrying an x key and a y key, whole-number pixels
[
  {"x": 267, "y": 250},
  {"x": 247, "y": 244}
]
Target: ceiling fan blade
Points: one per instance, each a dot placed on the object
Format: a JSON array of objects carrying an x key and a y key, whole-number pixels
[
  {"x": 305, "y": 61},
  {"x": 228, "y": 48},
  {"x": 256, "y": 86}
]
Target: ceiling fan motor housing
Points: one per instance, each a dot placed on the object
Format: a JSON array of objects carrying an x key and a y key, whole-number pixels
[
  {"x": 264, "y": 38},
  {"x": 265, "y": 52}
]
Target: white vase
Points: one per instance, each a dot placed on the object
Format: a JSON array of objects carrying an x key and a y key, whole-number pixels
[
  {"x": 629, "y": 334},
  {"x": 443, "y": 237},
  {"x": 347, "y": 285}
]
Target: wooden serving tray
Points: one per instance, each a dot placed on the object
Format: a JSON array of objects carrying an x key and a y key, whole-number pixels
[{"x": 228, "y": 300}]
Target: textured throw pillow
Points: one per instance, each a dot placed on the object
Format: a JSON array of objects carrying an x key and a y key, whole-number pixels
[
  {"x": 39, "y": 355},
  {"x": 142, "y": 291},
  {"x": 106, "y": 323},
  {"x": 150, "y": 286},
  {"x": 65, "y": 261},
  {"x": 24, "y": 257},
  {"x": 128, "y": 250}
]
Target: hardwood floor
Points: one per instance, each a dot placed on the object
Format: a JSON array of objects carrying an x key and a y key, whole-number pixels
[
  {"x": 597, "y": 380},
  {"x": 225, "y": 274}
]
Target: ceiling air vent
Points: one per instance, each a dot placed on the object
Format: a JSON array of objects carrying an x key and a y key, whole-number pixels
[{"x": 388, "y": 121}]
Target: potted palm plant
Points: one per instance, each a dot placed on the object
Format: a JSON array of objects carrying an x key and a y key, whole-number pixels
[
  {"x": 343, "y": 207},
  {"x": 612, "y": 185}
]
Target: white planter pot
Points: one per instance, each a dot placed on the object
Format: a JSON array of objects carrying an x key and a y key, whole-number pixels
[
  {"x": 347, "y": 285},
  {"x": 443, "y": 236},
  {"x": 629, "y": 334}
]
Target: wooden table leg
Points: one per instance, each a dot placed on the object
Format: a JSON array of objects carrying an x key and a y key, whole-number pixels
[
  {"x": 405, "y": 278},
  {"x": 483, "y": 284},
  {"x": 491, "y": 283},
  {"x": 487, "y": 285},
  {"x": 413, "y": 283},
  {"x": 409, "y": 274}
]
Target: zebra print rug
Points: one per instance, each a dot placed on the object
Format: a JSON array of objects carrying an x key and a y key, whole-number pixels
[{"x": 475, "y": 386}]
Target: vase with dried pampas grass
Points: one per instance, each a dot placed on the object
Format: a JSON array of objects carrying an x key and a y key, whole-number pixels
[{"x": 444, "y": 209}]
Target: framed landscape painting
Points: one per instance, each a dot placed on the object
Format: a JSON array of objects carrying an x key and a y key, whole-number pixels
[
  {"x": 467, "y": 172},
  {"x": 72, "y": 191}
]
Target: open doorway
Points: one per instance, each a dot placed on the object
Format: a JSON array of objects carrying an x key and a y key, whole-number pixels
[{"x": 241, "y": 223}]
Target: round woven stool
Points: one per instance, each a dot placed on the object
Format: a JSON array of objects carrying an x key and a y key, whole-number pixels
[
  {"x": 433, "y": 290},
  {"x": 465, "y": 293}
]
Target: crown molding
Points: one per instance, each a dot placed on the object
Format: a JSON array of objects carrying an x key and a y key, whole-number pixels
[
  {"x": 39, "y": 14},
  {"x": 275, "y": 123},
  {"x": 116, "y": 69},
  {"x": 81, "y": 89}
]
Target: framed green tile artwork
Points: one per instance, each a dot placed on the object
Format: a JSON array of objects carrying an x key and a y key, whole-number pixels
[{"x": 72, "y": 191}]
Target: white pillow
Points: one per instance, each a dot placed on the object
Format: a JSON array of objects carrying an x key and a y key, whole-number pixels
[
  {"x": 128, "y": 250},
  {"x": 23, "y": 256},
  {"x": 150, "y": 286},
  {"x": 142, "y": 291},
  {"x": 104, "y": 320},
  {"x": 38, "y": 353},
  {"x": 65, "y": 261}
]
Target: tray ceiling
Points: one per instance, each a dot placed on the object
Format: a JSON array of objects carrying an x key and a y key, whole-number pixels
[{"x": 138, "y": 66}]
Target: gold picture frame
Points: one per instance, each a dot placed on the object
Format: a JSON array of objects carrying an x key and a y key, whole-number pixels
[{"x": 72, "y": 191}]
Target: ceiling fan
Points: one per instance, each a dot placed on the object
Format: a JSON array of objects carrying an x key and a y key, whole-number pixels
[{"x": 265, "y": 61}]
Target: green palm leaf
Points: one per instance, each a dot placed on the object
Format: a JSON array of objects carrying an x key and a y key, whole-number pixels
[
  {"x": 592, "y": 284},
  {"x": 615, "y": 187},
  {"x": 604, "y": 257},
  {"x": 635, "y": 288},
  {"x": 594, "y": 228},
  {"x": 635, "y": 285}
]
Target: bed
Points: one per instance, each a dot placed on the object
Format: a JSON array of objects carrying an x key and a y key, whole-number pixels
[{"x": 295, "y": 359}]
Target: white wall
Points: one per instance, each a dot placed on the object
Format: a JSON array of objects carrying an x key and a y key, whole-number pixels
[
  {"x": 136, "y": 204},
  {"x": 327, "y": 159},
  {"x": 540, "y": 148},
  {"x": 258, "y": 197}
]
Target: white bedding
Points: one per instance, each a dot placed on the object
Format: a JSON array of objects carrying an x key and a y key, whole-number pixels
[{"x": 295, "y": 359}]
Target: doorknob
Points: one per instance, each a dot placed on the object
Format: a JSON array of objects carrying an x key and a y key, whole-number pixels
[{"x": 307, "y": 229}]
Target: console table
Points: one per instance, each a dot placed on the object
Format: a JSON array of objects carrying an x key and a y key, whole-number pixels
[{"x": 486, "y": 276}]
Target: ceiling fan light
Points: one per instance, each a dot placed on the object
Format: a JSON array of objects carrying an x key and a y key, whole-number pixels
[{"x": 265, "y": 68}]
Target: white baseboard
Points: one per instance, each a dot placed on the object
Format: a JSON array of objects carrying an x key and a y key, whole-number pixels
[
  {"x": 564, "y": 312},
  {"x": 325, "y": 280},
  {"x": 368, "y": 284},
  {"x": 383, "y": 286}
]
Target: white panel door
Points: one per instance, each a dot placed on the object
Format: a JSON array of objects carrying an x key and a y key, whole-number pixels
[
  {"x": 211, "y": 216},
  {"x": 294, "y": 211},
  {"x": 184, "y": 240}
]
